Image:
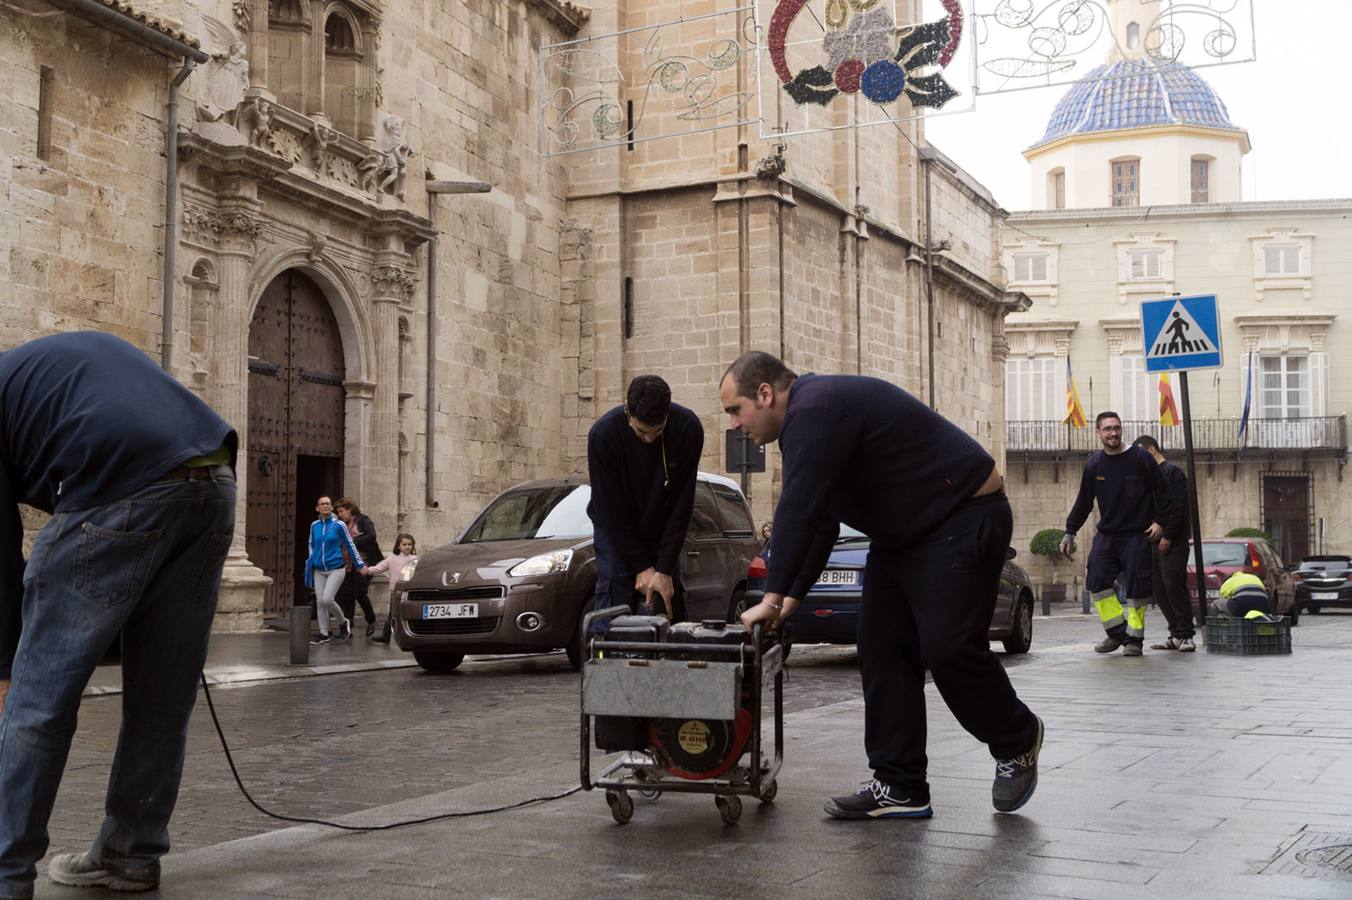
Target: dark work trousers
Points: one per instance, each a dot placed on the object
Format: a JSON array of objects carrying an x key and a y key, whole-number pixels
[
  {"x": 615, "y": 583},
  {"x": 356, "y": 589},
  {"x": 929, "y": 605},
  {"x": 1169, "y": 581}
]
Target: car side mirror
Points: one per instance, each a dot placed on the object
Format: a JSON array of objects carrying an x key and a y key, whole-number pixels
[{"x": 1010, "y": 553}]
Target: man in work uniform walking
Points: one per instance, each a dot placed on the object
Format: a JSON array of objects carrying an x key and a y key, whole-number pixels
[
  {"x": 864, "y": 452},
  {"x": 1169, "y": 559},
  {"x": 1133, "y": 497}
]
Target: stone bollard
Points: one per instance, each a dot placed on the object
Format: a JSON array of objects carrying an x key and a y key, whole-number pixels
[{"x": 300, "y": 634}]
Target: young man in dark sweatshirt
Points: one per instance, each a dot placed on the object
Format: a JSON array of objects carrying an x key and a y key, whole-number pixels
[
  {"x": 643, "y": 462},
  {"x": 864, "y": 452},
  {"x": 1133, "y": 498},
  {"x": 1169, "y": 559},
  {"x": 139, "y": 475}
]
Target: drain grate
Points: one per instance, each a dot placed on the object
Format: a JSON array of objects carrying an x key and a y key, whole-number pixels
[{"x": 1314, "y": 854}]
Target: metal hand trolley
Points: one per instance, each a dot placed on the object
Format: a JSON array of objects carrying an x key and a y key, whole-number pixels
[{"x": 682, "y": 698}]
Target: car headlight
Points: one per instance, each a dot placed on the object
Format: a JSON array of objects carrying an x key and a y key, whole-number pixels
[
  {"x": 544, "y": 564},
  {"x": 406, "y": 573}
]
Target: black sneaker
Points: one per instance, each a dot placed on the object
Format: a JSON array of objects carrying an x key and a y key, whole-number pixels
[
  {"x": 80, "y": 870},
  {"x": 345, "y": 630},
  {"x": 876, "y": 800},
  {"x": 321, "y": 639},
  {"x": 1016, "y": 779},
  {"x": 370, "y": 628}
]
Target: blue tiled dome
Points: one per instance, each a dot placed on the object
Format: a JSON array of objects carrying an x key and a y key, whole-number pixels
[{"x": 1134, "y": 93}]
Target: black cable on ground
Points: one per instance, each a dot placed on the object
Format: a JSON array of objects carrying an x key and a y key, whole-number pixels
[{"x": 423, "y": 821}]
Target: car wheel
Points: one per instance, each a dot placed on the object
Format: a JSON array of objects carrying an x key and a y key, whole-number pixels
[
  {"x": 438, "y": 663},
  {"x": 737, "y": 606},
  {"x": 574, "y": 648},
  {"x": 1021, "y": 638}
]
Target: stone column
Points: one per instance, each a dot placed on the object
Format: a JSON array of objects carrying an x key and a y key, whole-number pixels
[
  {"x": 368, "y": 88},
  {"x": 392, "y": 283},
  {"x": 314, "y": 98},
  {"x": 258, "y": 50},
  {"x": 236, "y": 225}
]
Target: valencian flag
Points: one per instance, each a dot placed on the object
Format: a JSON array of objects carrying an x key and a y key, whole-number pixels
[
  {"x": 1248, "y": 397},
  {"x": 1074, "y": 411},
  {"x": 1168, "y": 411}
]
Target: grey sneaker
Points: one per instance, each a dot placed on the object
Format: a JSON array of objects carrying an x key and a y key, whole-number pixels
[
  {"x": 1133, "y": 649},
  {"x": 80, "y": 870},
  {"x": 1107, "y": 645},
  {"x": 1185, "y": 645},
  {"x": 1169, "y": 643},
  {"x": 1016, "y": 779}
]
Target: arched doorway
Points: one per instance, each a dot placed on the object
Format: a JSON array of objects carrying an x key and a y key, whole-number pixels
[{"x": 295, "y": 449}]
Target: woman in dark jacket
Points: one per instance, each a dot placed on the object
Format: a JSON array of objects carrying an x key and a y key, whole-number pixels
[{"x": 355, "y": 588}]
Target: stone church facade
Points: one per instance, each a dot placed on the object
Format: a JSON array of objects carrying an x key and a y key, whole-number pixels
[{"x": 417, "y": 351}]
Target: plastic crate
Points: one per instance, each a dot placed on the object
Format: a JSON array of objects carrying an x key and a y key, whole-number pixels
[{"x": 1248, "y": 637}]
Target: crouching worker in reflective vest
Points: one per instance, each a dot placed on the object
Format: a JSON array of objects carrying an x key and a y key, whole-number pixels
[{"x": 1243, "y": 596}]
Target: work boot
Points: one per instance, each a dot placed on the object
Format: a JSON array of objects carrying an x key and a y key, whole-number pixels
[
  {"x": 80, "y": 870},
  {"x": 1016, "y": 779},
  {"x": 877, "y": 800},
  {"x": 1107, "y": 645},
  {"x": 1133, "y": 649}
]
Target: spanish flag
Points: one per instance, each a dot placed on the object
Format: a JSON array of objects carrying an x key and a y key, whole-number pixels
[
  {"x": 1074, "y": 411},
  {"x": 1168, "y": 411}
]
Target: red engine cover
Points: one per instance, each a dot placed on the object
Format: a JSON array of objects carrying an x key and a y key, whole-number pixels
[{"x": 698, "y": 749}]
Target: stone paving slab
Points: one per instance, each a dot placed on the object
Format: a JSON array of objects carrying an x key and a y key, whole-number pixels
[{"x": 1168, "y": 776}]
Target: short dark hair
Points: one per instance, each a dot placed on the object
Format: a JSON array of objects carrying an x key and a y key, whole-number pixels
[
  {"x": 1106, "y": 414},
  {"x": 648, "y": 399},
  {"x": 1148, "y": 443},
  {"x": 750, "y": 370}
]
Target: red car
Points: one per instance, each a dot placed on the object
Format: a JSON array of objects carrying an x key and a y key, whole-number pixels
[{"x": 1223, "y": 557}]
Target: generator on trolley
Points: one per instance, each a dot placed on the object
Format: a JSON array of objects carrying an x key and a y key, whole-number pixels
[{"x": 683, "y": 705}]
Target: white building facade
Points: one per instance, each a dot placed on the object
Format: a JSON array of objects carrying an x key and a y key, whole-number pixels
[{"x": 1137, "y": 183}]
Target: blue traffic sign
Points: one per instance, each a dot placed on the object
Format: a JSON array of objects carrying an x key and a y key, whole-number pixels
[{"x": 1181, "y": 333}]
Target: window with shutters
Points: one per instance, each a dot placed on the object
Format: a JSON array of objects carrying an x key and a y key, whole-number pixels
[{"x": 1126, "y": 182}]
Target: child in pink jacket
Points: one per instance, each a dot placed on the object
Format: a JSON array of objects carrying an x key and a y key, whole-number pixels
[{"x": 405, "y": 554}]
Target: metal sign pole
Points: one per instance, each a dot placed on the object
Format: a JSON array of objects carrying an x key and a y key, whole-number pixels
[{"x": 1192, "y": 505}]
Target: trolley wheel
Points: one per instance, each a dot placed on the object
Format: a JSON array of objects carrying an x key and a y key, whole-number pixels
[
  {"x": 649, "y": 793},
  {"x": 729, "y": 807},
  {"x": 621, "y": 806},
  {"x": 768, "y": 791}
]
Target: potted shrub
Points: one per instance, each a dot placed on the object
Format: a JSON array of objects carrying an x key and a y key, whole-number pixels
[
  {"x": 1047, "y": 543},
  {"x": 1250, "y": 533}
]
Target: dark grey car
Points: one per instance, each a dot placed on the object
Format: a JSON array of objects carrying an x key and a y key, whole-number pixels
[{"x": 519, "y": 578}]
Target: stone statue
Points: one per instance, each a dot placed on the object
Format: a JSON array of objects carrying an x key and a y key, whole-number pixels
[
  {"x": 389, "y": 174},
  {"x": 255, "y": 120},
  {"x": 227, "y": 75}
]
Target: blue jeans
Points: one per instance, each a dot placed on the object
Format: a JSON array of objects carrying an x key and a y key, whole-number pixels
[{"x": 149, "y": 566}]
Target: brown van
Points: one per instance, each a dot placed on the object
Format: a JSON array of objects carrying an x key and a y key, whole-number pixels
[{"x": 519, "y": 578}]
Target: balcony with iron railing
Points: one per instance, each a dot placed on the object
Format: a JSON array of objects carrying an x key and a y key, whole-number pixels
[{"x": 1215, "y": 440}]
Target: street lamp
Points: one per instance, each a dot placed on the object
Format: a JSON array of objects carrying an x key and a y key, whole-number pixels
[{"x": 433, "y": 189}]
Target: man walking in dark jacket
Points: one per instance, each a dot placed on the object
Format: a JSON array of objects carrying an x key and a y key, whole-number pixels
[
  {"x": 866, "y": 453},
  {"x": 1133, "y": 498},
  {"x": 1169, "y": 558},
  {"x": 643, "y": 460},
  {"x": 139, "y": 476}
]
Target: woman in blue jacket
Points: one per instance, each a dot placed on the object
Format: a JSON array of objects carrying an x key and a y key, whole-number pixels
[{"x": 331, "y": 549}]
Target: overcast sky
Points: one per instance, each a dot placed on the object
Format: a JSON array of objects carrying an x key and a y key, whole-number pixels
[{"x": 1293, "y": 100}]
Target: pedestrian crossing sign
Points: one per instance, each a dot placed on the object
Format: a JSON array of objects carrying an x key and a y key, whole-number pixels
[{"x": 1181, "y": 333}]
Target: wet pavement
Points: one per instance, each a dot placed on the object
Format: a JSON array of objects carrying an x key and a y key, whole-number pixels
[{"x": 1172, "y": 774}]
